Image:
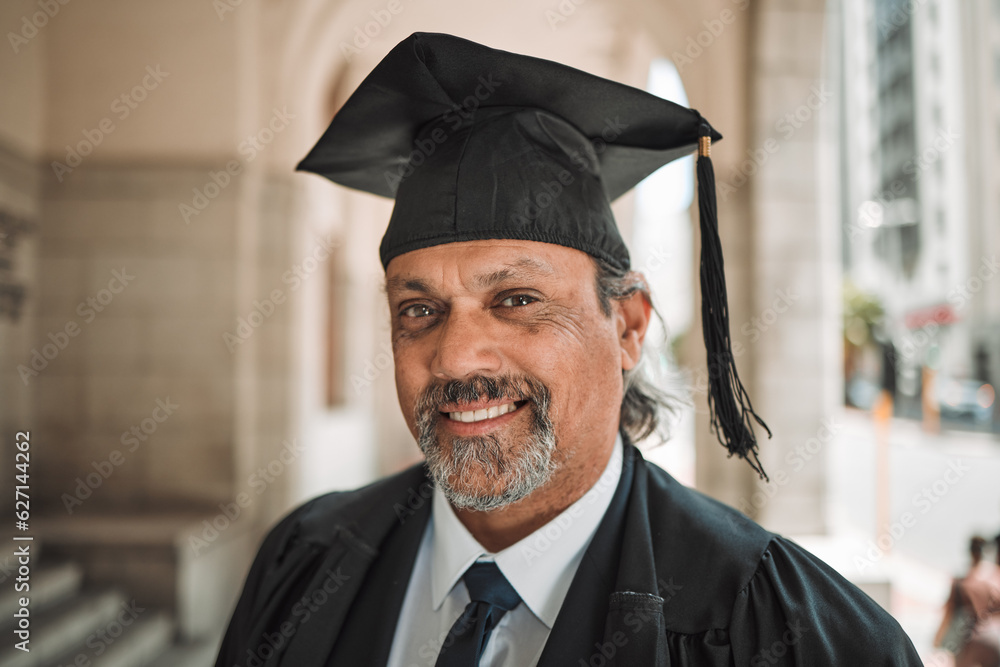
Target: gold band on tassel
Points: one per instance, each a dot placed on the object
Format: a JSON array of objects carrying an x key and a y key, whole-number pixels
[{"x": 705, "y": 146}]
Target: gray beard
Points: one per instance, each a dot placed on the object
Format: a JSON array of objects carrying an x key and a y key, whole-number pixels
[{"x": 521, "y": 467}]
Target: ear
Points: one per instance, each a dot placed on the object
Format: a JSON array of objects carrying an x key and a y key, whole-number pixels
[{"x": 633, "y": 315}]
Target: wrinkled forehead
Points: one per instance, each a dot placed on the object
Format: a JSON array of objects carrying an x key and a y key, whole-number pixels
[{"x": 478, "y": 265}]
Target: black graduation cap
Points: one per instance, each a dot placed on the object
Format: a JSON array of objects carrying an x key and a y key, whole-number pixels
[{"x": 476, "y": 143}]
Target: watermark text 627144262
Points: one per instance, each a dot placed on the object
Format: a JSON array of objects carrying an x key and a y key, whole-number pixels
[{"x": 22, "y": 542}]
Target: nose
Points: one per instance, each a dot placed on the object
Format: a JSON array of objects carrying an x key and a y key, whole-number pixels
[{"x": 466, "y": 346}]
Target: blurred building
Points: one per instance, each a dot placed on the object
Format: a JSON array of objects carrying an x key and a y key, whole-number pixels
[
  {"x": 920, "y": 218},
  {"x": 981, "y": 76}
]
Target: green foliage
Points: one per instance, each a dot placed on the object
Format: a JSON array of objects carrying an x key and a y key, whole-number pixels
[{"x": 863, "y": 312}]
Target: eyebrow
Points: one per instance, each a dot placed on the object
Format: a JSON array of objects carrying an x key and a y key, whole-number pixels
[
  {"x": 519, "y": 268},
  {"x": 399, "y": 284},
  {"x": 516, "y": 269}
]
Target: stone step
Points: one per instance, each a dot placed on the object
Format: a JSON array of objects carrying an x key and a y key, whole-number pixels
[
  {"x": 48, "y": 587},
  {"x": 137, "y": 645},
  {"x": 201, "y": 654},
  {"x": 178, "y": 562},
  {"x": 57, "y": 631}
]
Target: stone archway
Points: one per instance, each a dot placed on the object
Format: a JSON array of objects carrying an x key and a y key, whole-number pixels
[
  {"x": 584, "y": 36},
  {"x": 746, "y": 66}
]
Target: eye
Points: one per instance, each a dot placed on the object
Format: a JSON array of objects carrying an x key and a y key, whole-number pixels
[
  {"x": 417, "y": 310},
  {"x": 518, "y": 300}
]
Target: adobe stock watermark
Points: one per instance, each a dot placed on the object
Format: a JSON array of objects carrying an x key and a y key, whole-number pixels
[
  {"x": 30, "y": 25},
  {"x": 302, "y": 611},
  {"x": 753, "y": 329},
  {"x": 553, "y": 189},
  {"x": 960, "y": 294},
  {"x": 426, "y": 145},
  {"x": 543, "y": 539},
  {"x": 923, "y": 502},
  {"x": 101, "y": 640},
  {"x": 771, "y": 655},
  {"x": 657, "y": 259},
  {"x": 366, "y": 32},
  {"x": 59, "y": 340},
  {"x": 258, "y": 482},
  {"x": 249, "y": 148},
  {"x": 224, "y": 7},
  {"x": 431, "y": 649},
  {"x": 914, "y": 342},
  {"x": 795, "y": 461},
  {"x": 900, "y": 16},
  {"x": 372, "y": 369},
  {"x": 122, "y": 107},
  {"x": 644, "y": 608},
  {"x": 786, "y": 126},
  {"x": 872, "y": 212},
  {"x": 561, "y": 12},
  {"x": 759, "y": 324},
  {"x": 132, "y": 439},
  {"x": 415, "y": 499},
  {"x": 264, "y": 308},
  {"x": 943, "y": 139},
  {"x": 696, "y": 45}
]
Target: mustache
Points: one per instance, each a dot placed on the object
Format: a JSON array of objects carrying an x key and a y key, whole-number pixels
[{"x": 481, "y": 387}]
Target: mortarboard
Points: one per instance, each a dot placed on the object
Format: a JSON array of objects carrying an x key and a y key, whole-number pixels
[{"x": 476, "y": 143}]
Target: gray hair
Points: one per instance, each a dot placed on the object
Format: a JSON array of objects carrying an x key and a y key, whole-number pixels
[{"x": 644, "y": 404}]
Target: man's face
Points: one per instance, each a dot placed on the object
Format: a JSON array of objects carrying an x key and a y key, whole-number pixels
[{"x": 507, "y": 370}]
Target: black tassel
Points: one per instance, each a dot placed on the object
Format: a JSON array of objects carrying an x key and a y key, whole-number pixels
[{"x": 728, "y": 402}]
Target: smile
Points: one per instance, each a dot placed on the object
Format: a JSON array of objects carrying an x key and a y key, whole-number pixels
[{"x": 482, "y": 414}]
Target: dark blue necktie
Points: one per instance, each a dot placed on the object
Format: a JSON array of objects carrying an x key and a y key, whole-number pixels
[{"x": 492, "y": 596}]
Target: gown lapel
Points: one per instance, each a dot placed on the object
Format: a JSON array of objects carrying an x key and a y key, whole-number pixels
[
  {"x": 580, "y": 625},
  {"x": 635, "y": 633},
  {"x": 366, "y": 637},
  {"x": 366, "y": 554},
  {"x": 613, "y": 612}
]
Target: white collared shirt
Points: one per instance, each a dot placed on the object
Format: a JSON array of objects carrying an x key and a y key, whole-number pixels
[{"x": 540, "y": 567}]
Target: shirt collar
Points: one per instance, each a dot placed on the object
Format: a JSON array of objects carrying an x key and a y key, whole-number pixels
[{"x": 541, "y": 566}]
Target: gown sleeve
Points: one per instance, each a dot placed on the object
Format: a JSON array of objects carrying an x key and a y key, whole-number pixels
[
  {"x": 275, "y": 571},
  {"x": 797, "y": 610}
]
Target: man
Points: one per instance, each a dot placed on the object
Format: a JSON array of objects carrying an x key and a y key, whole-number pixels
[{"x": 534, "y": 533}]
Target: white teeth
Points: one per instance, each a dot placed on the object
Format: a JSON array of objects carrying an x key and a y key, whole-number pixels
[{"x": 484, "y": 413}]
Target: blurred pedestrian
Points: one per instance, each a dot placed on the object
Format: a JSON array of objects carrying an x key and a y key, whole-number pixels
[{"x": 971, "y": 625}]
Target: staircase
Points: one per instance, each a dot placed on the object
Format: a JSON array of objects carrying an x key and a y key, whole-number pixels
[
  {"x": 124, "y": 592},
  {"x": 74, "y": 626}
]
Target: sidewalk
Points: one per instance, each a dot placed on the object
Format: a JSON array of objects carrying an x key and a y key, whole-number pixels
[{"x": 942, "y": 490}]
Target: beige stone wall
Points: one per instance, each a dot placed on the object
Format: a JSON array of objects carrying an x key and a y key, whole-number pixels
[
  {"x": 22, "y": 115},
  {"x": 796, "y": 280},
  {"x": 22, "y": 69},
  {"x": 150, "y": 297},
  {"x": 145, "y": 105}
]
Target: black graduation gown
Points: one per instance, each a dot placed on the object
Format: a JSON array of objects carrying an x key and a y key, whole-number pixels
[{"x": 671, "y": 577}]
